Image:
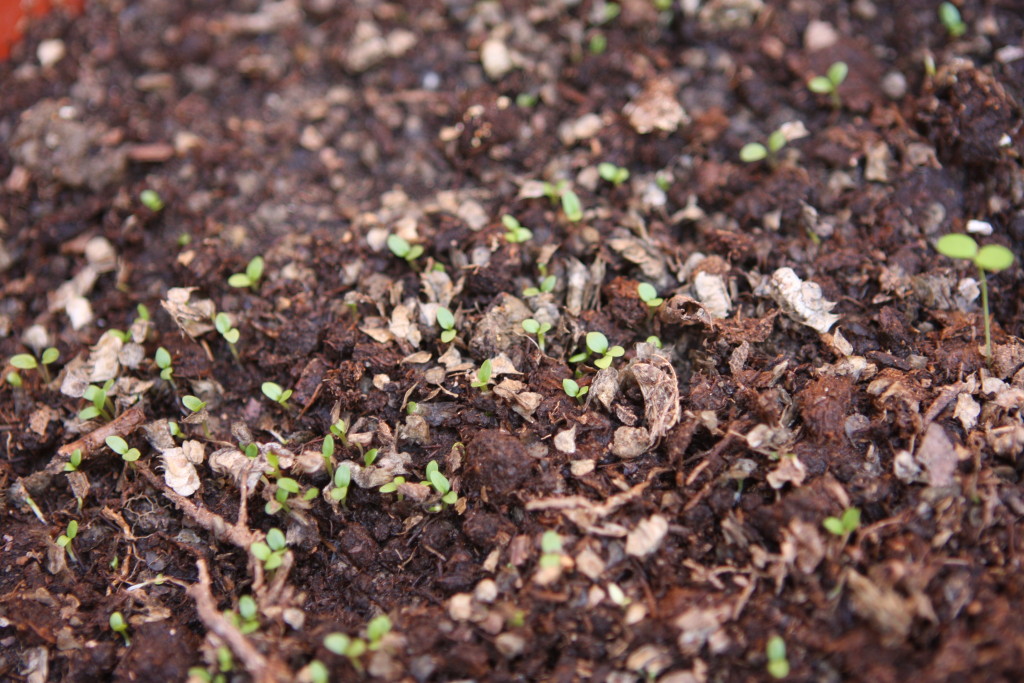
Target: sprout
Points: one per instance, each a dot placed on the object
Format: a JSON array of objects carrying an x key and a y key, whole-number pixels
[
  {"x": 551, "y": 549},
  {"x": 483, "y": 376},
  {"x": 275, "y": 392},
  {"x": 446, "y": 321},
  {"x": 74, "y": 461},
  {"x": 989, "y": 258},
  {"x": 222, "y": 321},
  {"x": 755, "y": 151},
  {"x": 440, "y": 483},
  {"x": 597, "y": 344},
  {"x": 515, "y": 232},
  {"x": 649, "y": 295},
  {"x": 271, "y": 553},
  {"x": 616, "y": 175},
  {"x": 26, "y": 361},
  {"x": 342, "y": 481},
  {"x": 251, "y": 277},
  {"x": 120, "y": 446},
  {"x": 65, "y": 539},
  {"x": 571, "y": 206},
  {"x": 949, "y": 15},
  {"x": 162, "y": 357},
  {"x": 845, "y": 525},
  {"x": 151, "y": 200},
  {"x": 546, "y": 285},
  {"x": 572, "y": 388},
  {"x": 118, "y": 625},
  {"x": 100, "y": 403},
  {"x": 402, "y": 249},
  {"x": 778, "y": 665},
  {"x": 531, "y": 326},
  {"x": 830, "y": 82},
  {"x": 193, "y": 403}
]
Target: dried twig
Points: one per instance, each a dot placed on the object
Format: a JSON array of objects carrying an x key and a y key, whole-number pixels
[{"x": 262, "y": 668}]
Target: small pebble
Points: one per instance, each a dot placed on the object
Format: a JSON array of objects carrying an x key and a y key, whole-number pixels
[
  {"x": 894, "y": 85},
  {"x": 50, "y": 52}
]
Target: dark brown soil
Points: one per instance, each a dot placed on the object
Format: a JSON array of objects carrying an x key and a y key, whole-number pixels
[{"x": 689, "y": 488}]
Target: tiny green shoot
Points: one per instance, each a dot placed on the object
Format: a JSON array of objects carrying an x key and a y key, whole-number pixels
[
  {"x": 119, "y": 625},
  {"x": 598, "y": 43},
  {"x": 571, "y": 206},
  {"x": 100, "y": 407},
  {"x": 162, "y": 357},
  {"x": 597, "y": 344},
  {"x": 546, "y": 285},
  {"x": 755, "y": 151},
  {"x": 515, "y": 233},
  {"x": 65, "y": 539},
  {"x": 950, "y": 17},
  {"x": 275, "y": 392},
  {"x": 151, "y": 200},
  {"x": 376, "y": 629},
  {"x": 193, "y": 403},
  {"x": 483, "y": 376},
  {"x": 655, "y": 341},
  {"x": 830, "y": 82},
  {"x": 251, "y": 277},
  {"x": 342, "y": 481},
  {"x": 446, "y": 321},
  {"x": 844, "y": 525},
  {"x": 318, "y": 672},
  {"x": 327, "y": 451},
  {"x": 572, "y": 388},
  {"x": 392, "y": 487},
  {"x": 222, "y": 321},
  {"x": 609, "y": 172},
  {"x": 14, "y": 379},
  {"x": 989, "y": 258},
  {"x": 440, "y": 483},
  {"x": 248, "y": 610},
  {"x": 270, "y": 553},
  {"x": 26, "y": 361},
  {"x": 538, "y": 329},
  {"x": 649, "y": 295},
  {"x": 778, "y": 664},
  {"x": 345, "y": 646},
  {"x": 120, "y": 446},
  {"x": 401, "y": 248},
  {"x": 370, "y": 456},
  {"x": 551, "y": 549},
  {"x": 74, "y": 461}
]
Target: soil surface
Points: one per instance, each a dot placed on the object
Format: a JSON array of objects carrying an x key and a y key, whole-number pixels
[{"x": 818, "y": 359}]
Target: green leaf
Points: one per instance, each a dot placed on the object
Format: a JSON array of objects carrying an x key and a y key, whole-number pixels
[
  {"x": 607, "y": 171},
  {"x": 328, "y": 446},
  {"x": 571, "y": 387},
  {"x": 132, "y": 455},
  {"x": 778, "y": 668},
  {"x": 820, "y": 84},
  {"x": 50, "y": 355},
  {"x": 993, "y": 258},
  {"x": 117, "y": 444},
  {"x": 483, "y": 375},
  {"x": 646, "y": 291},
  {"x": 548, "y": 283},
  {"x": 776, "y": 141},
  {"x": 834, "y": 526},
  {"x": 851, "y": 519},
  {"x": 604, "y": 362},
  {"x": 414, "y": 253},
  {"x": 272, "y": 390},
  {"x": 370, "y": 457},
  {"x": 193, "y": 403},
  {"x": 343, "y": 476},
  {"x": 117, "y": 622},
  {"x": 274, "y": 561},
  {"x": 288, "y": 484},
  {"x": 775, "y": 648},
  {"x": 510, "y": 222},
  {"x": 287, "y": 394},
  {"x": 431, "y": 468},
  {"x": 450, "y": 498},
  {"x": 254, "y": 271},
  {"x": 531, "y": 326},
  {"x": 24, "y": 361},
  {"x": 447, "y": 336},
  {"x": 339, "y": 493},
  {"x": 571, "y": 206},
  {"x": 222, "y": 322},
  {"x": 239, "y": 280},
  {"x": 151, "y": 200},
  {"x": 616, "y": 352},
  {"x": 247, "y": 607},
  {"x": 231, "y": 336},
  {"x": 551, "y": 542},
  {"x": 399, "y": 246},
  {"x": 337, "y": 643},
  {"x": 89, "y": 413},
  {"x": 275, "y": 539},
  {"x": 260, "y": 550},
  {"x": 72, "y": 529},
  {"x": 162, "y": 358},
  {"x": 440, "y": 483},
  {"x": 957, "y": 245},
  {"x": 753, "y": 151},
  {"x": 378, "y": 627},
  {"x": 837, "y": 73},
  {"x": 597, "y": 342},
  {"x": 445, "y": 319}
]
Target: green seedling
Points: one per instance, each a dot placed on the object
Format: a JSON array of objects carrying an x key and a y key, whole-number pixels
[
  {"x": 74, "y": 461},
  {"x": 527, "y": 100},
  {"x": 327, "y": 451},
  {"x": 616, "y": 175},
  {"x": 193, "y": 403},
  {"x": 270, "y": 553},
  {"x": 440, "y": 483},
  {"x": 663, "y": 5},
  {"x": 515, "y": 233},
  {"x": 152, "y": 200},
  {"x": 778, "y": 665},
  {"x": 376, "y": 629},
  {"x": 538, "y": 329},
  {"x": 175, "y": 429},
  {"x": 546, "y": 285},
  {"x": 275, "y": 392},
  {"x": 655, "y": 341},
  {"x": 392, "y": 487},
  {"x": 950, "y": 17},
  {"x": 251, "y": 277},
  {"x": 247, "y": 620},
  {"x": 222, "y": 321},
  {"x": 342, "y": 481},
  {"x": 162, "y": 357},
  {"x": 551, "y": 549},
  {"x": 754, "y": 151},
  {"x": 403, "y": 250},
  {"x": 120, "y": 446},
  {"x": 101, "y": 406},
  {"x": 598, "y": 43},
  {"x": 345, "y": 646},
  {"x": 830, "y": 82},
  {"x": 844, "y": 525},
  {"x": 597, "y": 344},
  {"x": 14, "y": 379},
  {"x": 483, "y": 376},
  {"x": 411, "y": 408},
  {"x": 370, "y": 457},
  {"x": 649, "y": 295},
  {"x": 446, "y": 321},
  {"x": 572, "y": 389},
  {"x": 65, "y": 539},
  {"x": 318, "y": 672},
  {"x": 26, "y": 361},
  {"x": 571, "y": 206},
  {"x": 989, "y": 258},
  {"x": 119, "y": 625}
]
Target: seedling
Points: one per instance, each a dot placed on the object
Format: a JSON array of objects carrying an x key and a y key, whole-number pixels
[
  {"x": 778, "y": 665},
  {"x": 446, "y": 321},
  {"x": 275, "y": 392},
  {"x": 251, "y": 277},
  {"x": 193, "y": 403},
  {"x": 551, "y": 549},
  {"x": 949, "y": 15},
  {"x": 342, "y": 480},
  {"x": 571, "y": 206},
  {"x": 378, "y": 627},
  {"x": 392, "y": 487},
  {"x": 248, "y": 618},
  {"x": 830, "y": 82},
  {"x": 327, "y": 451},
  {"x": 531, "y": 326},
  {"x": 119, "y": 625},
  {"x": 271, "y": 553},
  {"x": 483, "y": 376},
  {"x": 616, "y": 175},
  {"x": 844, "y": 525},
  {"x": 755, "y": 151},
  {"x": 14, "y": 379},
  {"x": 151, "y": 200},
  {"x": 440, "y": 484},
  {"x": 345, "y": 646},
  {"x": 402, "y": 249},
  {"x": 163, "y": 361},
  {"x": 370, "y": 457},
  {"x": 120, "y": 446},
  {"x": 65, "y": 539},
  {"x": 989, "y": 258},
  {"x": 649, "y": 295},
  {"x": 546, "y": 285},
  {"x": 597, "y": 344},
  {"x": 222, "y": 321},
  {"x": 101, "y": 407},
  {"x": 572, "y": 388},
  {"x": 318, "y": 672},
  {"x": 26, "y": 361},
  {"x": 74, "y": 461},
  {"x": 515, "y": 232},
  {"x": 526, "y": 100},
  {"x": 655, "y": 341},
  {"x": 598, "y": 43}
]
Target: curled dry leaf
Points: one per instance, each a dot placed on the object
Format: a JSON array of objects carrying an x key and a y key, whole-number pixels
[
  {"x": 683, "y": 310},
  {"x": 656, "y": 378},
  {"x": 195, "y": 318},
  {"x": 656, "y": 107},
  {"x": 801, "y": 301},
  {"x": 179, "y": 467},
  {"x": 647, "y": 536},
  {"x": 789, "y": 471},
  {"x": 713, "y": 293}
]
